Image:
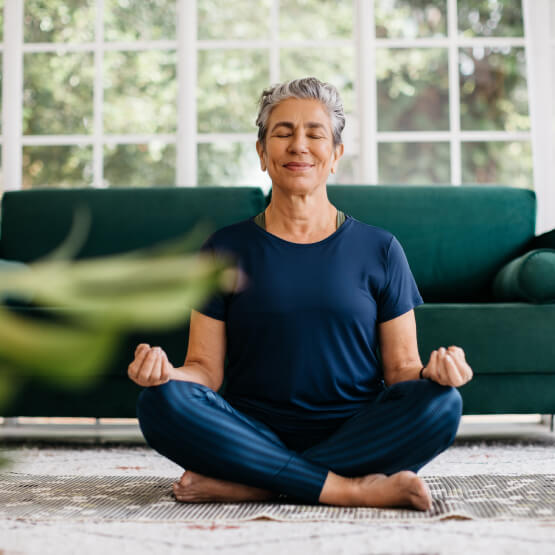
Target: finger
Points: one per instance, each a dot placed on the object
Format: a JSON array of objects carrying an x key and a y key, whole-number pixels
[
  {"x": 154, "y": 378},
  {"x": 442, "y": 369},
  {"x": 456, "y": 352},
  {"x": 141, "y": 347},
  {"x": 148, "y": 365},
  {"x": 166, "y": 368},
  {"x": 133, "y": 370},
  {"x": 453, "y": 372}
]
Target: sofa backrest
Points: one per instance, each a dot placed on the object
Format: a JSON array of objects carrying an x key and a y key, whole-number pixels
[
  {"x": 455, "y": 238},
  {"x": 35, "y": 222}
]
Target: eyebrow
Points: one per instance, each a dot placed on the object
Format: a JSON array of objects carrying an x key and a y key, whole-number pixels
[{"x": 308, "y": 125}]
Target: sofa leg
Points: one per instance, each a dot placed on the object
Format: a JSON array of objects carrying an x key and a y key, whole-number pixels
[{"x": 551, "y": 425}]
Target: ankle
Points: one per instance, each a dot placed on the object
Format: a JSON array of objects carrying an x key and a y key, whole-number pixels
[{"x": 338, "y": 490}]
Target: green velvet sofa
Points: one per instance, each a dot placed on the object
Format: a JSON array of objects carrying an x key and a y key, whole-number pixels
[{"x": 465, "y": 245}]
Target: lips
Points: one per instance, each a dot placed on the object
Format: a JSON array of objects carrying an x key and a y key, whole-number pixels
[{"x": 297, "y": 166}]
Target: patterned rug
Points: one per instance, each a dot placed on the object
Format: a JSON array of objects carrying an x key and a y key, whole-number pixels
[{"x": 150, "y": 498}]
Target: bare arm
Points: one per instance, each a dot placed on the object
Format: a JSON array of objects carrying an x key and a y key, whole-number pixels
[
  {"x": 401, "y": 360},
  {"x": 203, "y": 364},
  {"x": 399, "y": 349}
]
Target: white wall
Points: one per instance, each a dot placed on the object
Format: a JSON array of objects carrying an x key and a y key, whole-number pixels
[{"x": 539, "y": 19}]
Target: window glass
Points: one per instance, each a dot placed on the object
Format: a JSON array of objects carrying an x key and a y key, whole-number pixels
[
  {"x": 499, "y": 163},
  {"x": 57, "y": 166},
  {"x": 227, "y": 163},
  {"x": 490, "y": 18},
  {"x": 414, "y": 163},
  {"x": 241, "y": 19},
  {"x": 140, "y": 92},
  {"x": 493, "y": 89},
  {"x": 316, "y": 19},
  {"x": 229, "y": 84},
  {"x": 1, "y": 20},
  {"x": 346, "y": 170},
  {"x": 59, "y": 20},
  {"x": 413, "y": 89},
  {"x": 139, "y": 165},
  {"x": 128, "y": 20},
  {"x": 333, "y": 65},
  {"x": 409, "y": 19},
  {"x": 58, "y": 93}
]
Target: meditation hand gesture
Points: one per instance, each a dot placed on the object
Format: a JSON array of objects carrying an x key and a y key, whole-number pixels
[
  {"x": 448, "y": 367},
  {"x": 150, "y": 366}
]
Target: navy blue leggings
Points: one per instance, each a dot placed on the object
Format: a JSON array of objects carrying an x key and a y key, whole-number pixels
[{"x": 406, "y": 426}]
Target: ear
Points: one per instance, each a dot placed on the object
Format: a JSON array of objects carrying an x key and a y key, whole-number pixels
[
  {"x": 337, "y": 154},
  {"x": 261, "y": 155}
]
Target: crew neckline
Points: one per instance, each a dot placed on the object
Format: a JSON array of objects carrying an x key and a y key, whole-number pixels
[{"x": 346, "y": 223}]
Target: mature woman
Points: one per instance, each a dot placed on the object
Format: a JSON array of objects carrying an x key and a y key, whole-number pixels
[{"x": 309, "y": 411}]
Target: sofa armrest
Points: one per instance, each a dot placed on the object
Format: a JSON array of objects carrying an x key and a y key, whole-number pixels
[{"x": 529, "y": 278}]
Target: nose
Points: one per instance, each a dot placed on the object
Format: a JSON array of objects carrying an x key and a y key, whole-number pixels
[{"x": 298, "y": 142}]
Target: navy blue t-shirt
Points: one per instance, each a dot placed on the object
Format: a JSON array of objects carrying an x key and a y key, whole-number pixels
[{"x": 302, "y": 332}]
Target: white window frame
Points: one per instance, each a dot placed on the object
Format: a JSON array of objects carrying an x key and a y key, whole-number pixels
[{"x": 363, "y": 139}]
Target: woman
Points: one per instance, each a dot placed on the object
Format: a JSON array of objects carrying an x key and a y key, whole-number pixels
[{"x": 309, "y": 411}]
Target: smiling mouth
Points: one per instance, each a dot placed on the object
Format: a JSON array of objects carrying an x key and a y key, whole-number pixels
[{"x": 297, "y": 167}]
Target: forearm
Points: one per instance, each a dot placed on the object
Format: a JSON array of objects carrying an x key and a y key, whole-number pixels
[{"x": 194, "y": 372}]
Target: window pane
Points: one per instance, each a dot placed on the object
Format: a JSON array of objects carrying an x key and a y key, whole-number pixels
[
  {"x": 413, "y": 89},
  {"x": 57, "y": 166},
  {"x": 59, "y": 21},
  {"x": 499, "y": 163},
  {"x": 140, "y": 92},
  {"x": 1, "y": 77},
  {"x": 240, "y": 19},
  {"x": 58, "y": 93},
  {"x": 143, "y": 165},
  {"x": 230, "y": 164},
  {"x": 490, "y": 18},
  {"x": 126, "y": 20},
  {"x": 1, "y": 20},
  {"x": 229, "y": 84},
  {"x": 316, "y": 19},
  {"x": 413, "y": 163},
  {"x": 346, "y": 171},
  {"x": 332, "y": 65},
  {"x": 493, "y": 89},
  {"x": 409, "y": 19}
]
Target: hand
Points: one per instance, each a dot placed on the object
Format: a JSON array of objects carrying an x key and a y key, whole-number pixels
[
  {"x": 150, "y": 366},
  {"x": 448, "y": 367}
]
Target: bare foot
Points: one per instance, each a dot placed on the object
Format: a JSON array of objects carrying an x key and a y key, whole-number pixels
[
  {"x": 196, "y": 488},
  {"x": 403, "y": 489}
]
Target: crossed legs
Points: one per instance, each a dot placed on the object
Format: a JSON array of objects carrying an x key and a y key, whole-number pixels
[{"x": 370, "y": 460}]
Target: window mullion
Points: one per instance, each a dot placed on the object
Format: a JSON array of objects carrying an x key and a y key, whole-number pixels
[
  {"x": 366, "y": 91},
  {"x": 12, "y": 95},
  {"x": 274, "y": 42}
]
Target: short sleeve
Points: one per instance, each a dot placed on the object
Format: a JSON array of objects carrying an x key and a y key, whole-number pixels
[
  {"x": 400, "y": 292},
  {"x": 216, "y": 305}
]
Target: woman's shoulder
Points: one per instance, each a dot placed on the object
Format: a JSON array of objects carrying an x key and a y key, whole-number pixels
[
  {"x": 371, "y": 232},
  {"x": 230, "y": 236}
]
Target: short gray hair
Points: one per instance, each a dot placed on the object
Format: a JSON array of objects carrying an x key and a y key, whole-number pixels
[{"x": 307, "y": 87}]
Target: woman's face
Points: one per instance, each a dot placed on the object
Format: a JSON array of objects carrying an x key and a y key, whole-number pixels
[{"x": 299, "y": 152}]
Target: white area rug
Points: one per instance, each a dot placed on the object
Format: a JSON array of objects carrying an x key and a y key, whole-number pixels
[{"x": 150, "y": 498}]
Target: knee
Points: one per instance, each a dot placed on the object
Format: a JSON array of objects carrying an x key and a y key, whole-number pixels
[
  {"x": 156, "y": 405},
  {"x": 446, "y": 411}
]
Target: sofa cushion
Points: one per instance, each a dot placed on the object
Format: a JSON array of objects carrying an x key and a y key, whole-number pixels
[
  {"x": 530, "y": 277},
  {"x": 35, "y": 222},
  {"x": 498, "y": 338},
  {"x": 455, "y": 238}
]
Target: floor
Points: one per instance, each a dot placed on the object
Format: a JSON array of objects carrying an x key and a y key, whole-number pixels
[{"x": 486, "y": 445}]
